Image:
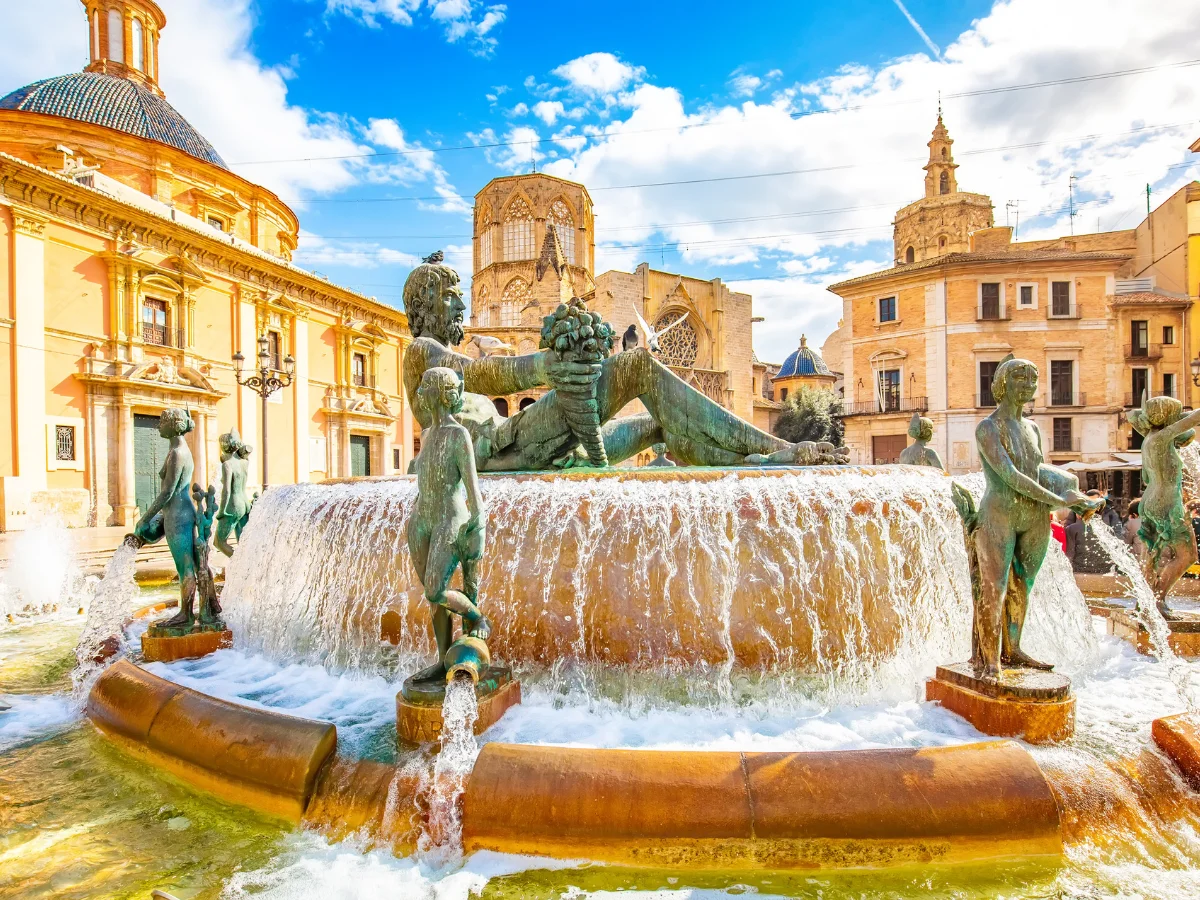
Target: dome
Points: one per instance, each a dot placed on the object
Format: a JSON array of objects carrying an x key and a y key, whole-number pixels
[
  {"x": 803, "y": 362},
  {"x": 116, "y": 103}
]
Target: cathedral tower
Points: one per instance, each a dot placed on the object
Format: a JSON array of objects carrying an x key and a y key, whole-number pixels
[
  {"x": 123, "y": 39},
  {"x": 944, "y": 219}
]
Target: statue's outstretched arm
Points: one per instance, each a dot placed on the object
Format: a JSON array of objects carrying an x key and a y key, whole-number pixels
[
  {"x": 991, "y": 448},
  {"x": 1177, "y": 430},
  {"x": 494, "y": 375}
]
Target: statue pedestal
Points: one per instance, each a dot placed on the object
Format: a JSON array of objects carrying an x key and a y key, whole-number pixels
[
  {"x": 169, "y": 644},
  {"x": 1184, "y": 639},
  {"x": 419, "y": 705},
  {"x": 1024, "y": 703}
]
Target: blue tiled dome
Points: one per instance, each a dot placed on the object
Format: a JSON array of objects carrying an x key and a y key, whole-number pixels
[
  {"x": 803, "y": 362},
  {"x": 116, "y": 103}
]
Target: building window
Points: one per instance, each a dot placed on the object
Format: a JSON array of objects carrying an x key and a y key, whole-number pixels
[
  {"x": 480, "y": 311},
  {"x": 358, "y": 369},
  {"x": 989, "y": 300},
  {"x": 518, "y": 231},
  {"x": 137, "y": 47},
  {"x": 395, "y": 457},
  {"x": 942, "y": 243},
  {"x": 1027, "y": 296},
  {"x": 783, "y": 395},
  {"x": 517, "y": 295},
  {"x": 889, "y": 390},
  {"x": 564, "y": 226},
  {"x": 1139, "y": 382},
  {"x": 1169, "y": 385},
  {"x": 1062, "y": 436},
  {"x": 1060, "y": 298},
  {"x": 116, "y": 36},
  {"x": 680, "y": 346},
  {"x": 944, "y": 183},
  {"x": 1168, "y": 334},
  {"x": 216, "y": 223},
  {"x": 887, "y": 309},
  {"x": 501, "y": 404},
  {"x": 1139, "y": 338},
  {"x": 1062, "y": 382},
  {"x": 64, "y": 443},
  {"x": 485, "y": 237},
  {"x": 910, "y": 255},
  {"x": 274, "y": 345},
  {"x": 987, "y": 371},
  {"x": 154, "y": 322}
]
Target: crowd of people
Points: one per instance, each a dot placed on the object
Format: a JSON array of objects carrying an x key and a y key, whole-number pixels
[{"x": 1079, "y": 541}]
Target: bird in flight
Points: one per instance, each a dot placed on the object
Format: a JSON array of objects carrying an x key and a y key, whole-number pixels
[{"x": 652, "y": 336}]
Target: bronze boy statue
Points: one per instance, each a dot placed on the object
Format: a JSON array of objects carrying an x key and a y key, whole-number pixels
[{"x": 447, "y": 525}]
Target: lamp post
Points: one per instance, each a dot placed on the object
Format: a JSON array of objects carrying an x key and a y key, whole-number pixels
[
  {"x": 264, "y": 382},
  {"x": 1196, "y": 372}
]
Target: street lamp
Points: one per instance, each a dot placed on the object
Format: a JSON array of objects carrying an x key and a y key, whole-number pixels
[
  {"x": 264, "y": 381},
  {"x": 1196, "y": 372}
]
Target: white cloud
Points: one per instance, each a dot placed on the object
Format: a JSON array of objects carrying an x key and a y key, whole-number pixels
[
  {"x": 548, "y": 110},
  {"x": 598, "y": 73},
  {"x": 413, "y": 164},
  {"x": 858, "y": 167},
  {"x": 521, "y": 109},
  {"x": 743, "y": 85},
  {"x": 314, "y": 251},
  {"x": 519, "y": 152},
  {"x": 459, "y": 18}
]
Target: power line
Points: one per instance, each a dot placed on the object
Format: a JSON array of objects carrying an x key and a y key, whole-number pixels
[{"x": 800, "y": 114}]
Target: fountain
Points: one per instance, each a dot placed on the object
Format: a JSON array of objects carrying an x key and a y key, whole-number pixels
[{"x": 720, "y": 668}]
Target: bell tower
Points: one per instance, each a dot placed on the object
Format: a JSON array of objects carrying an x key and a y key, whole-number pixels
[
  {"x": 939, "y": 171},
  {"x": 123, "y": 39}
]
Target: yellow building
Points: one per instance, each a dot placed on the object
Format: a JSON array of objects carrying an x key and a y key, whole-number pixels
[
  {"x": 534, "y": 247},
  {"x": 133, "y": 265}
]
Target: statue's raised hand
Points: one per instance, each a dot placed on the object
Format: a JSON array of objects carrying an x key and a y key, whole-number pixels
[
  {"x": 1081, "y": 504},
  {"x": 566, "y": 372}
]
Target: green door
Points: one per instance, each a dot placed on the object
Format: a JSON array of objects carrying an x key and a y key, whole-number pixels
[
  {"x": 149, "y": 452},
  {"x": 360, "y": 455}
]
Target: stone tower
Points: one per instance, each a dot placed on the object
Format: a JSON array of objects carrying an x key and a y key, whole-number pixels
[
  {"x": 124, "y": 39},
  {"x": 943, "y": 220}
]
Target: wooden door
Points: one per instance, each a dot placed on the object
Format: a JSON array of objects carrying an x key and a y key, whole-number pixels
[
  {"x": 886, "y": 448},
  {"x": 360, "y": 455},
  {"x": 149, "y": 453}
]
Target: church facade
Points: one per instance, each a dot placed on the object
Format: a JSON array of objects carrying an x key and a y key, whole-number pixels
[{"x": 133, "y": 266}]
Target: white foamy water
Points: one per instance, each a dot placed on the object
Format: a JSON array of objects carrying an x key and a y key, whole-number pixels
[
  {"x": 440, "y": 842},
  {"x": 111, "y": 604},
  {"x": 857, "y": 578},
  {"x": 42, "y": 575},
  {"x": 35, "y": 717}
]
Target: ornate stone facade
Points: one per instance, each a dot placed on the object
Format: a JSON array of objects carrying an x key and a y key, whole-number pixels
[{"x": 943, "y": 220}]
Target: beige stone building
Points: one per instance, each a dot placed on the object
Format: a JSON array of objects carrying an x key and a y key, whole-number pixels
[
  {"x": 534, "y": 247},
  {"x": 1104, "y": 316},
  {"x": 133, "y": 265}
]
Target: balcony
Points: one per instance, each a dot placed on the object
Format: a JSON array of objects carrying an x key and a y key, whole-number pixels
[
  {"x": 1064, "y": 444},
  {"x": 1133, "y": 401},
  {"x": 162, "y": 336},
  {"x": 1068, "y": 314},
  {"x": 362, "y": 380},
  {"x": 890, "y": 404},
  {"x": 1143, "y": 351},
  {"x": 1057, "y": 399},
  {"x": 988, "y": 314}
]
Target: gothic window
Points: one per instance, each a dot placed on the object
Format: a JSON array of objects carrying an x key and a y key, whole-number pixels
[
  {"x": 944, "y": 183},
  {"x": 480, "y": 310},
  {"x": 910, "y": 255},
  {"x": 518, "y": 231},
  {"x": 137, "y": 48},
  {"x": 485, "y": 237},
  {"x": 680, "y": 346},
  {"x": 560, "y": 217},
  {"x": 516, "y": 295},
  {"x": 116, "y": 36}
]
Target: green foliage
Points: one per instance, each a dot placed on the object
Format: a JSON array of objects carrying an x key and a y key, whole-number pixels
[{"x": 811, "y": 414}]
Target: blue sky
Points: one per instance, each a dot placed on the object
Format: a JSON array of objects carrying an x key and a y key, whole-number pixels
[{"x": 352, "y": 110}]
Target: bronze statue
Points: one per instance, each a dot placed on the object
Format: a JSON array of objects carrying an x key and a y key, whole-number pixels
[
  {"x": 173, "y": 515},
  {"x": 545, "y": 434},
  {"x": 1165, "y": 528},
  {"x": 660, "y": 456},
  {"x": 235, "y": 506},
  {"x": 919, "y": 453},
  {"x": 447, "y": 525},
  {"x": 1008, "y": 534}
]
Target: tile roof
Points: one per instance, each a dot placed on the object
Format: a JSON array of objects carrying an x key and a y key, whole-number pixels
[
  {"x": 1148, "y": 298},
  {"x": 116, "y": 103},
  {"x": 986, "y": 256}
]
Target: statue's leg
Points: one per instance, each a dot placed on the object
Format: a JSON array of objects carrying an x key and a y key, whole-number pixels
[
  {"x": 221, "y": 539},
  {"x": 182, "y": 543},
  {"x": 994, "y": 555},
  {"x": 629, "y": 435},
  {"x": 1177, "y": 557},
  {"x": 1028, "y": 554},
  {"x": 692, "y": 424}
]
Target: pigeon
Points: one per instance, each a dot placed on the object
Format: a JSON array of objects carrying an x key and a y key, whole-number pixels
[
  {"x": 629, "y": 340},
  {"x": 652, "y": 336},
  {"x": 489, "y": 346}
]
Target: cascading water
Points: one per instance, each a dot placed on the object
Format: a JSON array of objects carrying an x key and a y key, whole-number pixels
[
  {"x": 103, "y": 635},
  {"x": 440, "y": 843},
  {"x": 1147, "y": 612},
  {"x": 43, "y": 575},
  {"x": 857, "y": 577}
]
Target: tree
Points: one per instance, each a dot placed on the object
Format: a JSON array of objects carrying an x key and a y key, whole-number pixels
[{"x": 811, "y": 414}]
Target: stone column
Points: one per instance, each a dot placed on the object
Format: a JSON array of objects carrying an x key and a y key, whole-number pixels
[
  {"x": 126, "y": 510},
  {"x": 249, "y": 402},
  {"x": 300, "y": 397},
  {"x": 29, "y": 336},
  {"x": 344, "y": 449}
]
